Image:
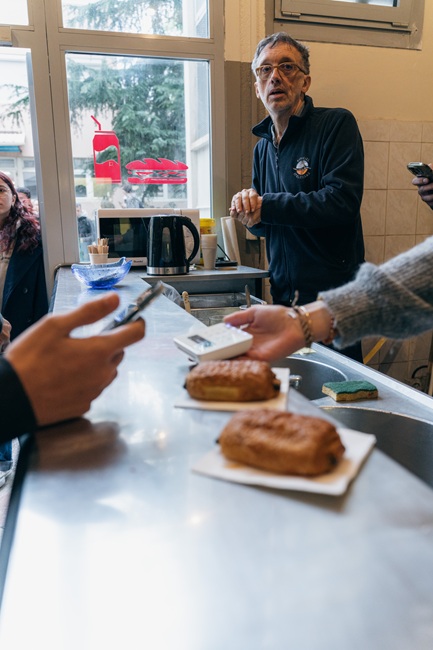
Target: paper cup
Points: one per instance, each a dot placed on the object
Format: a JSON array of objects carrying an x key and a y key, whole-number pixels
[
  {"x": 98, "y": 258},
  {"x": 209, "y": 250}
]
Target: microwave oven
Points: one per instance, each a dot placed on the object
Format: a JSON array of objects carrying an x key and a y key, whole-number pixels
[{"x": 126, "y": 231}]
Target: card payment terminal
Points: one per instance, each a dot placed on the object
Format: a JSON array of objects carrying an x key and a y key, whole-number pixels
[{"x": 221, "y": 341}]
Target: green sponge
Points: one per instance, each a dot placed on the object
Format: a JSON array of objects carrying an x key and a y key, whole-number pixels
[{"x": 350, "y": 391}]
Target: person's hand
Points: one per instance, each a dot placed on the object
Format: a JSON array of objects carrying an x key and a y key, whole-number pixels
[
  {"x": 61, "y": 374},
  {"x": 425, "y": 188},
  {"x": 277, "y": 330},
  {"x": 246, "y": 207},
  {"x": 5, "y": 335},
  {"x": 275, "y": 333}
]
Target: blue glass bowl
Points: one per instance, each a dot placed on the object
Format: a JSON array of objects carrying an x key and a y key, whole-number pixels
[{"x": 101, "y": 276}]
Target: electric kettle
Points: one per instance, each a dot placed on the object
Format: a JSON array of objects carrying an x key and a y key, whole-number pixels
[{"x": 166, "y": 245}]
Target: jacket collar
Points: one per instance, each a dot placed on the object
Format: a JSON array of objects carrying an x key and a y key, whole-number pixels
[{"x": 264, "y": 129}]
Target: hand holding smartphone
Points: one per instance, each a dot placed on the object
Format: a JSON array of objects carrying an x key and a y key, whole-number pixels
[
  {"x": 132, "y": 312},
  {"x": 421, "y": 169}
]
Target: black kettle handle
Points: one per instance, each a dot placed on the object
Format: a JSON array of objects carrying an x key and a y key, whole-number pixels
[{"x": 185, "y": 221}]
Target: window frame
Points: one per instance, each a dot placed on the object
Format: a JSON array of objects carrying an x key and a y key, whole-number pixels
[
  {"x": 48, "y": 42},
  {"x": 351, "y": 22}
]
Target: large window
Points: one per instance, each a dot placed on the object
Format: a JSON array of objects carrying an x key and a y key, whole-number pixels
[
  {"x": 168, "y": 17},
  {"x": 151, "y": 151},
  {"x": 394, "y": 23},
  {"x": 16, "y": 138},
  {"x": 14, "y": 13},
  {"x": 121, "y": 102}
]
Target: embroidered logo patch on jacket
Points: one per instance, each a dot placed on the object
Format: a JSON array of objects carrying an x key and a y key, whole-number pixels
[{"x": 302, "y": 168}]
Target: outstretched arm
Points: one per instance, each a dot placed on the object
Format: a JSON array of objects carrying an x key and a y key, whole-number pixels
[
  {"x": 277, "y": 330},
  {"x": 61, "y": 375}
]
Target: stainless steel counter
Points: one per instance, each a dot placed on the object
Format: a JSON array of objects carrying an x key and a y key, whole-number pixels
[{"x": 118, "y": 544}]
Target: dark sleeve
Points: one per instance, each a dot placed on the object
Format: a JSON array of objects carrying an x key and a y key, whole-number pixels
[
  {"x": 16, "y": 413},
  {"x": 259, "y": 230}
]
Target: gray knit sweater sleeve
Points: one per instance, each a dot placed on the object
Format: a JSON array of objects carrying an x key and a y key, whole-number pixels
[{"x": 394, "y": 299}]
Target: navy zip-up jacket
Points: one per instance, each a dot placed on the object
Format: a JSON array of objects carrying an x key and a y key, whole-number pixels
[{"x": 312, "y": 186}]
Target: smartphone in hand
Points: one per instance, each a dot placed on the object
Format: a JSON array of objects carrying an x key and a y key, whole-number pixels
[
  {"x": 132, "y": 312},
  {"x": 421, "y": 169}
]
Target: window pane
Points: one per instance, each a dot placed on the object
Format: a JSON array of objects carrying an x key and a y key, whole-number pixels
[
  {"x": 164, "y": 17},
  {"x": 16, "y": 141},
  {"x": 14, "y": 13},
  {"x": 382, "y": 3},
  {"x": 140, "y": 131}
]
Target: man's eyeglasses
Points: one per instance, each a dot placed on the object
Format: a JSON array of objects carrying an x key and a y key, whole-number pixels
[{"x": 264, "y": 72}]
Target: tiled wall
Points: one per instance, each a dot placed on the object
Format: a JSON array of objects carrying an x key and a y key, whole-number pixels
[{"x": 394, "y": 219}]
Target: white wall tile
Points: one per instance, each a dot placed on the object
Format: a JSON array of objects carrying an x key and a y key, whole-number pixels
[
  {"x": 427, "y": 132},
  {"x": 400, "y": 153},
  {"x": 420, "y": 238},
  {"x": 376, "y": 165},
  {"x": 375, "y": 130},
  {"x": 374, "y": 249},
  {"x": 395, "y": 244},
  {"x": 401, "y": 212},
  {"x": 424, "y": 222},
  {"x": 427, "y": 152},
  {"x": 373, "y": 212},
  {"x": 405, "y": 131}
]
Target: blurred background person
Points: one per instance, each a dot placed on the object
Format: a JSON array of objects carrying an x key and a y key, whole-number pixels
[
  {"x": 6, "y": 448},
  {"x": 132, "y": 200},
  {"x": 25, "y": 196},
  {"x": 86, "y": 232},
  {"x": 23, "y": 290}
]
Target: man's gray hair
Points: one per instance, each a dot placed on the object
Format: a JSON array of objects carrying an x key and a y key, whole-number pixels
[{"x": 282, "y": 37}]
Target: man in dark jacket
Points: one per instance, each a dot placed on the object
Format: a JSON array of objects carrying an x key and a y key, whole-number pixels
[{"x": 308, "y": 171}]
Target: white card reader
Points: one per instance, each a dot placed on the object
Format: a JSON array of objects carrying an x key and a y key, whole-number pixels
[{"x": 221, "y": 341}]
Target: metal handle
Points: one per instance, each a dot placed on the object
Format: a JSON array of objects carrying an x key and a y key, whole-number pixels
[
  {"x": 247, "y": 296},
  {"x": 295, "y": 380}
]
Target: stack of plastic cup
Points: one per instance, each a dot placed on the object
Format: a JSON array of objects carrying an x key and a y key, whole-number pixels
[{"x": 209, "y": 251}]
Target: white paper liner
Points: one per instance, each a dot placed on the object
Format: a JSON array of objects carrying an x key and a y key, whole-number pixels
[{"x": 358, "y": 446}]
